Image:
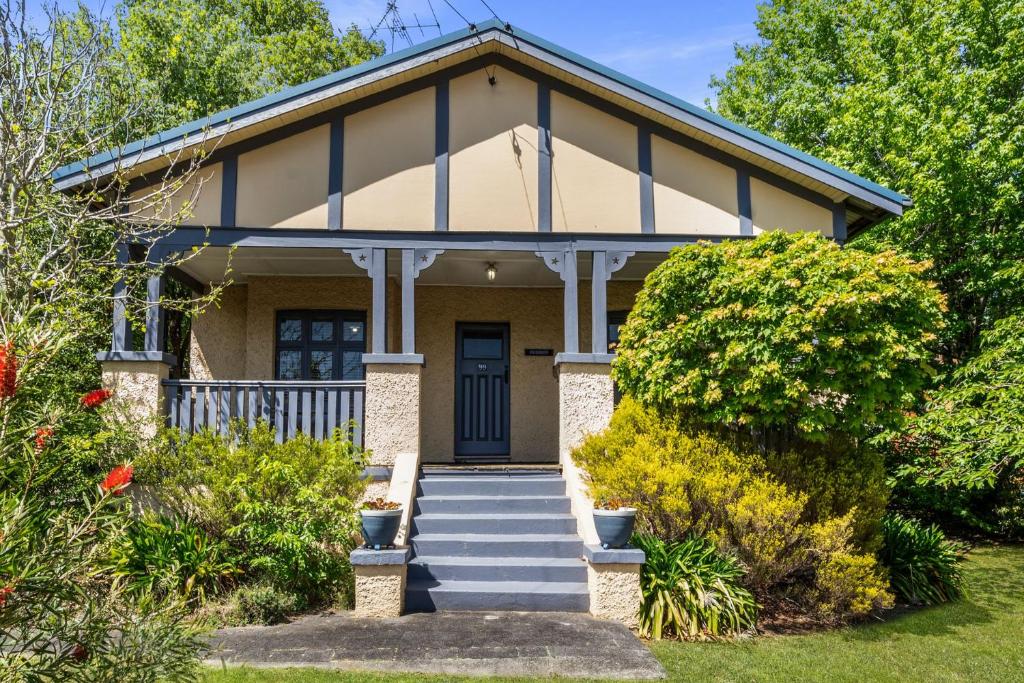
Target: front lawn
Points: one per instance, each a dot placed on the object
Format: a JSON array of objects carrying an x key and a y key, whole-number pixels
[{"x": 977, "y": 639}]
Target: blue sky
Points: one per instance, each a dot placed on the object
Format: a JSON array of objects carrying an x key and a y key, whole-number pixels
[{"x": 672, "y": 45}]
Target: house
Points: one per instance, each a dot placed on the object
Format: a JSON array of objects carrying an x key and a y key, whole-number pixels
[{"x": 437, "y": 247}]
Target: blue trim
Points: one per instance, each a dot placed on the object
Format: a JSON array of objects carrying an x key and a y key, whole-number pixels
[
  {"x": 544, "y": 157},
  {"x": 839, "y": 223},
  {"x": 335, "y": 173},
  {"x": 382, "y": 63},
  {"x": 136, "y": 357},
  {"x": 743, "y": 203},
  {"x": 229, "y": 191},
  {"x": 646, "y": 179},
  {"x": 441, "y": 156}
]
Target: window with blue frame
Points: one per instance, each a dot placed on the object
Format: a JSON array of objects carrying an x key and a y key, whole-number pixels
[{"x": 319, "y": 345}]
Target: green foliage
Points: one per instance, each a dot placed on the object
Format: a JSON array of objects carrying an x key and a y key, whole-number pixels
[
  {"x": 261, "y": 604},
  {"x": 691, "y": 590},
  {"x": 786, "y": 333},
  {"x": 202, "y": 56},
  {"x": 922, "y": 96},
  {"x": 973, "y": 427},
  {"x": 924, "y": 567},
  {"x": 287, "y": 510},
  {"x": 846, "y": 583},
  {"x": 692, "y": 482},
  {"x": 164, "y": 555}
]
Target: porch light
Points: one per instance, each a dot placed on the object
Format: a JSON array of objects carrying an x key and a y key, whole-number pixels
[{"x": 492, "y": 272}]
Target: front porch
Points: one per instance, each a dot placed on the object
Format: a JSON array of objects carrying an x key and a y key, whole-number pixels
[{"x": 455, "y": 354}]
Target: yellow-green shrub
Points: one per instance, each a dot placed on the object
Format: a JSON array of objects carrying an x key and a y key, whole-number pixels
[{"x": 684, "y": 481}]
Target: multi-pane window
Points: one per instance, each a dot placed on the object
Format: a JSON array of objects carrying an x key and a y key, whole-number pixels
[{"x": 320, "y": 345}]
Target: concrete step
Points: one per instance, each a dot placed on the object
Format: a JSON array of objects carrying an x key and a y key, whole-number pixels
[
  {"x": 520, "y": 569},
  {"x": 475, "y": 596},
  {"x": 492, "y": 504},
  {"x": 497, "y": 545},
  {"x": 464, "y": 523},
  {"x": 480, "y": 485}
]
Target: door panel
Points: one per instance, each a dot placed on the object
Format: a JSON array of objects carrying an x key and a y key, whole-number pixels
[{"x": 481, "y": 390}]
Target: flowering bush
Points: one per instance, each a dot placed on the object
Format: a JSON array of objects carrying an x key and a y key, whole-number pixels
[{"x": 62, "y": 613}]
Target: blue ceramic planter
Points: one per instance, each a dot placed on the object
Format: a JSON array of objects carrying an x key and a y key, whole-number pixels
[
  {"x": 614, "y": 527},
  {"x": 380, "y": 527}
]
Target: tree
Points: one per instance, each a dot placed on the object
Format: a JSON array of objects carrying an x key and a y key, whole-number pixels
[
  {"x": 923, "y": 96},
  {"x": 202, "y": 56},
  {"x": 787, "y": 335}
]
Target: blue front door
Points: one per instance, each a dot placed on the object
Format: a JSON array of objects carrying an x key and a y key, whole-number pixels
[{"x": 481, "y": 390}]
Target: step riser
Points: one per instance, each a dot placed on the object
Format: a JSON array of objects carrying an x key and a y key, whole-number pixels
[
  {"x": 494, "y": 487},
  {"x": 497, "y": 572},
  {"x": 499, "y": 525},
  {"x": 493, "y": 506},
  {"x": 510, "y": 548},
  {"x": 432, "y": 601}
]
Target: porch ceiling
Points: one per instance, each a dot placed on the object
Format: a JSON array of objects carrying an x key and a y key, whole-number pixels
[{"x": 463, "y": 268}]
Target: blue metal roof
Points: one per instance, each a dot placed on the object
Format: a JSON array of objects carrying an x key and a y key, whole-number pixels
[{"x": 198, "y": 126}]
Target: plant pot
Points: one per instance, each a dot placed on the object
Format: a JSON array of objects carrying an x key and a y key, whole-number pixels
[
  {"x": 380, "y": 527},
  {"x": 614, "y": 527}
]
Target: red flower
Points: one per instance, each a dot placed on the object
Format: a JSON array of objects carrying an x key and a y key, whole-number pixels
[
  {"x": 96, "y": 398},
  {"x": 8, "y": 370},
  {"x": 5, "y": 593},
  {"x": 118, "y": 479},
  {"x": 43, "y": 434}
]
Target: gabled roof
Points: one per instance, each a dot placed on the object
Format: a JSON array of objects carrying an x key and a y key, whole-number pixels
[{"x": 494, "y": 36}]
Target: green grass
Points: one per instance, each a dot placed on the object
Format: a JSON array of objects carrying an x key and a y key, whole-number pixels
[{"x": 980, "y": 638}]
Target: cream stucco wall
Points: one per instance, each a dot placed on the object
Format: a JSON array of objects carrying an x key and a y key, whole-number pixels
[
  {"x": 773, "y": 209},
  {"x": 692, "y": 193},
  {"x": 284, "y": 184},
  {"x": 195, "y": 201},
  {"x": 492, "y": 152},
  {"x": 218, "y": 345},
  {"x": 595, "y": 169},
  {"x": 535, "y": 321},
  {"x": 388, "y": 173}
]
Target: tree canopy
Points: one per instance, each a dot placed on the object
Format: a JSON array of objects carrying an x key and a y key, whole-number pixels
[
  {"x": 924, "y": 96},
  {"x": 203, "y": 56}
]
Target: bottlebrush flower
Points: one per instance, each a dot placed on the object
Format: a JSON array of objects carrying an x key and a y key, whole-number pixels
[
  {"x": 96, "y": 398},
  {"x": 8, "y": 370},
  {"x": 43, "y": 435},
  {"x": 5, "y": 593},
  {"x": 118, "y": 479}
]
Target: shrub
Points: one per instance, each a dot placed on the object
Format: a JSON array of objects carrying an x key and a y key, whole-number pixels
[
  {"x": 846, "y": 583},
  {"x": 786, "y": 333},
  {"x": 165, "y": 555},
  {"x": 924, "y": 567},
  {"x": 691, "y": 590},
  {"x": 262, "y": 604},
  {"x": 692, "y": 482},
  {"x": 288, "y": 510}
]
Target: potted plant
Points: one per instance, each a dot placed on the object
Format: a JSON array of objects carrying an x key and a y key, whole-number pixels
[
  {"x": 381, "y": 519},
  {"x": 614, "y": 519}
]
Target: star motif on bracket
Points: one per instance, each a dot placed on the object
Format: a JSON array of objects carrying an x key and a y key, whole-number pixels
[
  {"x": 362, "y": 257},
  {"x": 615, "y": 260},
  {"x": 423, "y": 258},
  {"x": 554, "y": 261}
]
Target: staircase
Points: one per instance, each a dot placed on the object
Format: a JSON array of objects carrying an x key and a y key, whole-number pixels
[{"x": 495, "y": 540}]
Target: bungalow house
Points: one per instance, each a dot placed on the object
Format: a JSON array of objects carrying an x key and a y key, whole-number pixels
[{"x": 437, "y": 247}]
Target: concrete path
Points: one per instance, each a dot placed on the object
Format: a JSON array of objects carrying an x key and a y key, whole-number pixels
[{"x": 470, "y": 643}]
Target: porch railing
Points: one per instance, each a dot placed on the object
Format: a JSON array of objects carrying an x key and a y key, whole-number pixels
[{"x": 314, "y": 408}]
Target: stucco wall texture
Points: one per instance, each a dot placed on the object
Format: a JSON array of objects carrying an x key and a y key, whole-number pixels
[
  {"x": 393, "y": 414},
  {"x": 586, "y": 401},
  {"x": 615, "y": 592},
  {"x": 380, "y": 590},
  {"x": 138, "y": 395}
]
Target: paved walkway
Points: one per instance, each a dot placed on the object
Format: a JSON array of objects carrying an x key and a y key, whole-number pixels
[{"x": 471, "y": 643}]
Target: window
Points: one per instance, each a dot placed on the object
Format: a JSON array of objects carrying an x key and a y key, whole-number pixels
[
  {"x": 320, "y": 345},
  {"x": 616, "y": 319}
]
